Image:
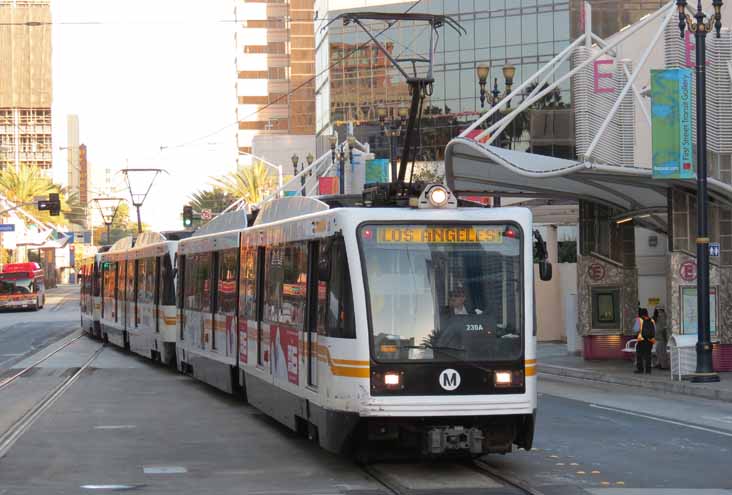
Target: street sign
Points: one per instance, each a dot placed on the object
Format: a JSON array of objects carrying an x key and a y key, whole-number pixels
[
  {"x": 714, "y": 249},
  {"x": 206, "y": 214},
  {"x": 7, "y": 227}
]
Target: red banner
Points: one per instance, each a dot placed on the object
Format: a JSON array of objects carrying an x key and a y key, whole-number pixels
[{"x": 328, "y": 185}]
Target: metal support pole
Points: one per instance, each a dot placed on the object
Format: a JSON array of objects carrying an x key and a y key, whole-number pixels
[
  {"x": 416, "y": 88},
  {"x": 704, "y": 370},
  {"x": 394, "y": 145},
  {"x": 341, "y": 173},
  {"x": 109, "y": 232},
  {"x": 139, "y": 221}
]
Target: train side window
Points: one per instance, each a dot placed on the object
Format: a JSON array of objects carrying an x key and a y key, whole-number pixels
[
  {"x": 165, "y": 285},
  {"x": 247, "y": 283},
  {"x": 293, "y": 296},
  {"x": 203, "y": 281},
  {"x": 339, "y": 318},
  {"x": 191, "y": 297},
  {"x": 227, "y": 275},
  {"x": 273, "y": 276}
]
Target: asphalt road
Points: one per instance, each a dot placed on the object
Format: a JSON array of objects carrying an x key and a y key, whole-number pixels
[
  {"x": 128, "y": 424},
  {"x": 24, "y": 332}
]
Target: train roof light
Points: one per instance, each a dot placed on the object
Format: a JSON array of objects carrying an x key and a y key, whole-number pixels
[{"x": 436, "y": 196}]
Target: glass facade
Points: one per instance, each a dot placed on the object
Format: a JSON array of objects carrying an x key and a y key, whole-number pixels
[{"x": 355, "y": 78}]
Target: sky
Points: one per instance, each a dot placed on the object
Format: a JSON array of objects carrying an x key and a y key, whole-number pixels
[{"x": 142, "y": 74}]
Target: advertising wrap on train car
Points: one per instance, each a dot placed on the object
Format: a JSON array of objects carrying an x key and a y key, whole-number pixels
[
  {"x": 243, "y": 343},
  {"x": 284, "y": 343}
]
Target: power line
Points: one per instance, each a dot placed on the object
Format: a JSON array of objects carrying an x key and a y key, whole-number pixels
[{"x": 305, "y": 83}]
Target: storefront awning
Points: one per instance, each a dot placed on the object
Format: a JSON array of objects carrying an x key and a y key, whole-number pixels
[{"x": 473, "y": 168}]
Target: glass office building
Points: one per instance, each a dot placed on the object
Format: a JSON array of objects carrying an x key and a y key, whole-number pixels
[{"x": 354, "y": 78}]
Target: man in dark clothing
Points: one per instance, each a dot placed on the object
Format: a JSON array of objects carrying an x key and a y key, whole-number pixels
[{"x": 644, "y": 347}]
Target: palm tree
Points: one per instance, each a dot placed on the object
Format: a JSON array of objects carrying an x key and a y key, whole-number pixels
[
  {"x": 216, "y": 200},
  {"x": 28, "y": 182},
  {"x": 252, "y": 183}
]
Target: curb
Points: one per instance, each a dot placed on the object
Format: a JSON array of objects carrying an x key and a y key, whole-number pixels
[{"x": 684, "y": 388}]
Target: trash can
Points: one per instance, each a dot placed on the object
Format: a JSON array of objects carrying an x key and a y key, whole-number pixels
[{"x": 682, "y": 349}]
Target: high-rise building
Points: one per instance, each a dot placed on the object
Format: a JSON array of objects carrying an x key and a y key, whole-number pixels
[
  {"x": 72, "y": 153},
  {"x": 275, "y": 63},
  {"x": 354, "y": 79},
  {"x": 25, "y": 83}
]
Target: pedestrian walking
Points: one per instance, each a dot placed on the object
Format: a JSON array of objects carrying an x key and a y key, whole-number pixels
[
  {"x": 646, "y": 336},
  {"x": 662, "y": 337}
]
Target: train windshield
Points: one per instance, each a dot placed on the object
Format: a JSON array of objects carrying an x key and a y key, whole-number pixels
[
  {"x": 444, "y": 292},
  {"x": 15, "y": 284}
]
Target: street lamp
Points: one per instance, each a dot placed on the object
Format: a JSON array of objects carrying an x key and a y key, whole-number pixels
[
  {"x": 704, "y": 371},
  {"x": 295, "y": 161},
  {"x": 108, "y": 209},
  {"x": 392, "y": 129},
  {"x": 139, "y": 180},
  {"x": 333, "y": 141},
  {"x": 483, "y": 71}
]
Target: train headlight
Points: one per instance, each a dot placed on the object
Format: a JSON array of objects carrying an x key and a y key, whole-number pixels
[
  {"x": 438, "y": 196},
  {"x": 392, "y": 380},
  {"x": 503, "y": 378},
  {"x": 435, "y": 196}
]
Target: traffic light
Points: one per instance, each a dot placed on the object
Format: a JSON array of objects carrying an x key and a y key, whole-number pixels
[
  {"x": 55, "y": 204},
  {"x": 52, "y": 204},
  {"x": 187, "y": 216}
]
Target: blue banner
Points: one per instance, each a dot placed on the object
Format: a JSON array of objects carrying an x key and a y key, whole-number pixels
[
  {"x": 671, "y": 117},
  {"x": 377, "y": 170},
  {"x": 7, "y": 227}
]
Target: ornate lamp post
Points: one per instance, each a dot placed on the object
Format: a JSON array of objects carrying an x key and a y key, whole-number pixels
[
  {"x": 704, "y": 370},
  {"x": 483, "y": 71}
]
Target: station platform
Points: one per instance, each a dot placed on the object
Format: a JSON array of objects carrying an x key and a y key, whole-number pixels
[{"x": 555, "y": 360}]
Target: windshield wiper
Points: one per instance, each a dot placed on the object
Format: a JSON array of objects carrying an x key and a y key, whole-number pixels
[{"x": 434, "y": 347}]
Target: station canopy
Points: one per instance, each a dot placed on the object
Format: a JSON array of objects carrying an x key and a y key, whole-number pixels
[{"x": 472, "y": 168}]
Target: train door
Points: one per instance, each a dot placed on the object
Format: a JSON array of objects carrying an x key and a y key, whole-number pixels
[
  {"x": 313, "y": 313},
  {"x": 209, "y": 322},
  {"x": 262, "y": 354},
  {"x": 156, "y": 296},
  {"x": 226, "y": 273},
  {"x": 119, "y": 302}
]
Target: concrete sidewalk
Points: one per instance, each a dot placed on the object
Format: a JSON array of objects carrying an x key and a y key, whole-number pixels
[{"x": 555, "y": 360}]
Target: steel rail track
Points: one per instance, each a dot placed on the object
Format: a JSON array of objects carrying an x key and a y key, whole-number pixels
[
  {"x": 492, "y": 472},
  {"x": 8, "y": 439},
  {"x": 7, "y": 381},
  {"x": 391, "y": 487}
]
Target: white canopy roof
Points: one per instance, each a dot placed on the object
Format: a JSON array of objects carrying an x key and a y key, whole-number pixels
[{"x": 472, "y": 168}]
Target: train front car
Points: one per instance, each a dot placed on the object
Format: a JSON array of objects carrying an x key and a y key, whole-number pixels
[{"x": 448, "y": 303}]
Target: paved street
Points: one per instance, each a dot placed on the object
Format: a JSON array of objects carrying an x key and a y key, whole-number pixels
[
  {"x": 127, "y": 423},
  {"x": 24, "y": 332}
]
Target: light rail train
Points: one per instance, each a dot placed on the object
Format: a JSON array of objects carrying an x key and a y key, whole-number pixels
[{"x": 367, "y": 325}]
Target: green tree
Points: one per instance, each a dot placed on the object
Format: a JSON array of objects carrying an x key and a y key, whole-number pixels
[
  {"x": 252, "y": 183},
  {"x": 121, "y": 226},
  {"x": 215, "y": 199}
]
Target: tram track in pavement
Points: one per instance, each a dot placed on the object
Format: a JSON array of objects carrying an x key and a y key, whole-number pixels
[
  {"x": 7, "y": 381},
  {"x": 485, "y": 468},
  {"x": 22, "y": 424},
  {"x": 394, "y": 487}
]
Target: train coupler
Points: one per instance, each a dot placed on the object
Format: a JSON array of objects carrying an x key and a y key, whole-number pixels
[{"x": 454, "y": 438}]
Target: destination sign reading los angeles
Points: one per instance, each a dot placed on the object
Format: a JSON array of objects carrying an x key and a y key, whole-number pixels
[{"x": 441, "y": 234}]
